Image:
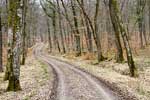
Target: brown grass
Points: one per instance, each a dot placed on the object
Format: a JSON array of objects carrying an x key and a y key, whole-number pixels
[{"x": 88, "y": 56}]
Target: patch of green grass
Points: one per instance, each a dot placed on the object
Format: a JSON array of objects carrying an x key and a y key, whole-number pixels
[
  {"x": 141, "y": 90},
  {"x": 45, "y": 69},
  {"x": 26, "y": 98}
]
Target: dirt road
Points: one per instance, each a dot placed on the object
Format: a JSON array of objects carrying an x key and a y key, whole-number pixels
[{"x": 74, "y": 84}]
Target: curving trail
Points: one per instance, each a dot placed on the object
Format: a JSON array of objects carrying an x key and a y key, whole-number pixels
[{"x": 74, "y": 84}]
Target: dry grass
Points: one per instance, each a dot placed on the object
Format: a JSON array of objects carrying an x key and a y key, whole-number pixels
[
  {"x": 88, "y": 56},
  {"x": 35, "y": 82},
  {"x": 119, "y": 73}
]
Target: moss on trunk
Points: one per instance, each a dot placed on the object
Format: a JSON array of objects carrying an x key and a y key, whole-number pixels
[{"x": 14, "y": 84}]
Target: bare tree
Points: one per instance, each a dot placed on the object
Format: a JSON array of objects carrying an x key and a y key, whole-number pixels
[
  {"x": 77, "y": 33},
  {"x": 140, "y": 13},
  {"x": 94, "y": 28},
  {"x": 24, "y": 46},
  {"x": 60, "y": 26},
  {"x": 119, "y": 56},
  {"x": 14, "y": 30},
  {"x": 115, "y": 14},
  {"x": 1, "y": 44}
]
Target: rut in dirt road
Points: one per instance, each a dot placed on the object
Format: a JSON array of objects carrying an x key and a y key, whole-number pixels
[{"x": 74, "y": 84}]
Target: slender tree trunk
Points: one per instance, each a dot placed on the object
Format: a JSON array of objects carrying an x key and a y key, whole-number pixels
[
  {"x": 60, "y": 27},
  {"x": 119, "y": 57},
  {"x": 1, "y": 45},
  {"x": 70, "y": 34},
  {"x": 149, "y": 18},
  {"x": 140, "y": 14},
  {"x": 24, "y": 46},
  {"x": 77, "y": 34},
  {"x": 56, "y": 42},
  {"x": 66, "y": 36},
  {"x": 7, "y": 70},
  {"x": 49, "y": 36},
  {"x": 99, "y": 49},
  {"x": 141, "y": 32},
  {"x": 114, "y": 6},
  {"x": 89, "y": 33},
  {"x": 94, "y": 30},
  {"x": 144, "y": 30}
]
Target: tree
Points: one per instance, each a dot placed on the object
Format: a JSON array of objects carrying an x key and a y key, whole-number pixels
[
  {"x": 99, "y": 48},
  {"x": 54, "y": 27},
  {"x": 94, "y": 29},
  {"x": 140, "y": 14},
  {"x": 1, "y": 45},
  {"x": 88, "y": 35},
  {"x": 49, "y": 35},
  {"x": 14, "y": 62},
  {"x": 60, "y": 27},
  {"x": 77, "y": 33},
  {"x": 119, "y": 56},
  {"x": 24, "y": 46},
  {"x": 115, "y": 14}
]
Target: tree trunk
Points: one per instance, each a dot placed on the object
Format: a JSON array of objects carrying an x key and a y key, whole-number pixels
[
  {"x": 14, "y": 28},
  {"x": 119, "y": 56},
  {"x": 1, "y": 45},
  {"x": 94, "y": 31},
  {"x": 60, "y": 27},
  {"x": 24, "y": 46},
  {"x": 56, "y": 42},
  {"x": 113, "y": 5},
  {"x": 89, "y": 33},
  {"x": 70, "y": 25},
  {"x": 49, "y": 36},
  {"x": 149, "y": 18},
  {"x": 140, "y": 14},
  {"x": 99, "y": 49},
  {"x": 77, "y": 34}
]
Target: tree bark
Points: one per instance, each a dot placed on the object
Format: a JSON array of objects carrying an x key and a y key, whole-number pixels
[
  {"x": 24, "y": 46},
  {"x": 140, "y": 14},
  {"x": 14, "y": 28},
  {"x": 99, "y": 49},
  {"x": 89, "y": 33},
  {"x": 56, "y": 42},
  {"x": 94, "y": 29},
  {"x": 114, "y": 6},
  {"x": 119, "y": 57},
  {"x": 49, "y": 36},
  {"x": 1, "y": 45},
  {"x": 60, "y": 27},
  {"x": 77, "y": 34}
]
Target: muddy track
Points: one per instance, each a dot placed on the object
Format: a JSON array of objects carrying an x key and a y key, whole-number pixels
[
  {"x": 73, "y": 83},
  {"x": 123, "y": 95},
  {"x": 53, "y": 94}
]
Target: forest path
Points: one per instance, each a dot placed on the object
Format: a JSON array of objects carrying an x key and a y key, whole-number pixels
[{"x": 74, "y": 84}]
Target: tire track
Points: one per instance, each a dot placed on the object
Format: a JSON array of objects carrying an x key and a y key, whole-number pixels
[
  {"x": 105, "y": 93},
  {"x": 122, "y": 95},
  {"x": 58, "y": 83},
  {"x": 66, "y": 76}
]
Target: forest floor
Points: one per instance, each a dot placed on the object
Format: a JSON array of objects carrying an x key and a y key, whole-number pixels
[
  {"x": 37, "y": 78},
  {"x": 36, "y": 82},
  {"x": 118, "y": 74}
]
